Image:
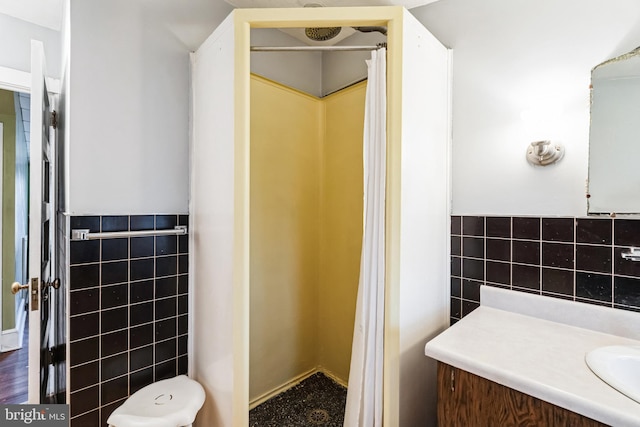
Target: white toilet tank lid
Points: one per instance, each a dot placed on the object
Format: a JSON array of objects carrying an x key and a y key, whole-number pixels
[{"x": 172, "y": 402}]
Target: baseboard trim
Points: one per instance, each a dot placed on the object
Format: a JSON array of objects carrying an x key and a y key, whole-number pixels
[
  {"x": 281, "y": 388},
  {"x": 333, "y": 376},
  {"x": 9, "y": 340},
  {"x": 294, "y": 382}
]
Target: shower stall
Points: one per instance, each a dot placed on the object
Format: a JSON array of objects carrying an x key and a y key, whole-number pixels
[{"x": 254, "y": 163}]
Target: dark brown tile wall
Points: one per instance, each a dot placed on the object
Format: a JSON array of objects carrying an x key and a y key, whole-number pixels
[
  {"x": 128, "y": 312},
  {"x": 570, "y": 258}
]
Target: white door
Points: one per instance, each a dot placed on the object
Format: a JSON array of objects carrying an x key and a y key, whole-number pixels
[{"x": 45, "y": 308}]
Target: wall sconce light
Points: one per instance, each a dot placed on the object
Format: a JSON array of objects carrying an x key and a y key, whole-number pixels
[
  {"x": 544, "y": 153},
  {"x": 541, "y": 121}
]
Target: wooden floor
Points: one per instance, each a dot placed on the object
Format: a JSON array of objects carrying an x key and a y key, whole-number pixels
[{"x": 13, "y": 373}]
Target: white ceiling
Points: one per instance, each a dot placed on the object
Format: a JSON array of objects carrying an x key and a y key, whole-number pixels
[
  {"x": 327, "y": 3},
  {"x": 46, "y": 13}
]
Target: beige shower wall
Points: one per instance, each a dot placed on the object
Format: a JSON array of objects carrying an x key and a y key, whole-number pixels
[
  {"x": 285, "y": 227},
  {"x": 306, "y": 232},
  {"x": 341, "y": 237}
]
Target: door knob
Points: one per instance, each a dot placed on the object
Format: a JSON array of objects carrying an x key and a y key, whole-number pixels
[{"x": 17, "y": 287}]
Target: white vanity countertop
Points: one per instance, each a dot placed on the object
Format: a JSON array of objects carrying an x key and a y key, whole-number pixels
[{"x": 539, "y": 357}]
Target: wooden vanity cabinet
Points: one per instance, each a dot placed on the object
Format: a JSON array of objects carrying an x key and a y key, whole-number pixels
[{"x": 465, "y": 399}]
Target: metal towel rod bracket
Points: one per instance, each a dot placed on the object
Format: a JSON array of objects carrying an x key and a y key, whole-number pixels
[
  {"x": 85, "y": 234},
  {"x": 632, "y": 255}
]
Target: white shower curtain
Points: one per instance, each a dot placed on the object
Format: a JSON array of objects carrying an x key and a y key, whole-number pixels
[{"x": 364, "y": 395}]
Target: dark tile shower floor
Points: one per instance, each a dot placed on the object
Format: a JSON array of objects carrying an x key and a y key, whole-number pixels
[{"x": 316, "y": 401}]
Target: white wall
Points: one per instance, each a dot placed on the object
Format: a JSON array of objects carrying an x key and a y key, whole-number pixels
[
  {"x": 15, "y": 45},
  {"x": 299, "y": 70},
  {"x": 129, "y": 103},
  {"x": 341, "y": 69},
  {"x": 509, "y": 56},
  {"x": 129, "y": 92}
]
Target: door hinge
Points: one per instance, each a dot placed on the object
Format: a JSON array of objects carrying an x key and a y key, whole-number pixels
[
  {"x": 54, "y": 355},
  {"x": 54, "y": 119}
]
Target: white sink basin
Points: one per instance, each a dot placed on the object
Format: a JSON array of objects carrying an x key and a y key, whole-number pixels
[{"x": 618, "y": 366}]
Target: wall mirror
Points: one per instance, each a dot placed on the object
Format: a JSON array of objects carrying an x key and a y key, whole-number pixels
[{"x": 614, "y": 139}]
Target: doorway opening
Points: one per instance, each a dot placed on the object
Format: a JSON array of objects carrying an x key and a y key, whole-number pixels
[
  {"x": 306, "y": 220},
  {"x": 30, "y": 235},
  {"x": 14, "y": 223}
]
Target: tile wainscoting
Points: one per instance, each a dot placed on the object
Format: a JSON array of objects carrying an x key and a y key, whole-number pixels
[
  {"x": 571, "y": 258},
  {"x": 128, "y": 308}
]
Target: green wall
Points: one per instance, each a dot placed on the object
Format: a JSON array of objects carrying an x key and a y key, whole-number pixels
[{"x": 8, "y": 119}]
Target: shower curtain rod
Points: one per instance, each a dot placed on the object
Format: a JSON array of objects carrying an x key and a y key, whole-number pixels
[{"x": 314, "y": 48}]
